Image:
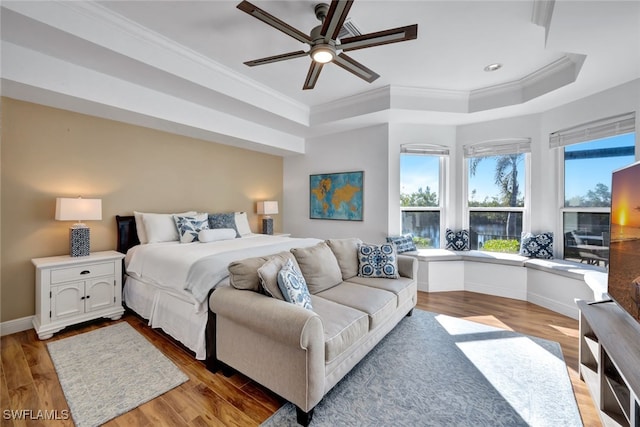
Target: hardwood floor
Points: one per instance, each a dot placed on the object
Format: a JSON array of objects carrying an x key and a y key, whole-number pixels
[{"x": 29, "y": 381}]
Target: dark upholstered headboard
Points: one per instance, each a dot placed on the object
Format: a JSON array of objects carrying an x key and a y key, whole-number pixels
[{"x": 127, "y": 233}]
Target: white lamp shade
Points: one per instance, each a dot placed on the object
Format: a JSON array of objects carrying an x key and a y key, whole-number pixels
[
  {"x": 78, "y": 209},
  {"x": 269, "y": 207}
]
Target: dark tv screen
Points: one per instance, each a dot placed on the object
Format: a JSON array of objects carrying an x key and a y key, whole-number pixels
[{"x": 624, "y": 248}]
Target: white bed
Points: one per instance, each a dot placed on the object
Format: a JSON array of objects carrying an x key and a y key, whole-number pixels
[{"x": 168, "y": 283}]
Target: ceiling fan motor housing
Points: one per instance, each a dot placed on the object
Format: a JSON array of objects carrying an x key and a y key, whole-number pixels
[{"x": 321, "y": 11}]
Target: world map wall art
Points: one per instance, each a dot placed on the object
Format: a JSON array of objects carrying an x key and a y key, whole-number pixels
[{"x": 336, "y": 196}]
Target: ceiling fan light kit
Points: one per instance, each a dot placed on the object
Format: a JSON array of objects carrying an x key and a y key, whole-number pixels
[{"x": 324, "y": 43}]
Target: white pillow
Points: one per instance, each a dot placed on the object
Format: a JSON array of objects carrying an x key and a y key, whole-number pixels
[
  {"x": 242, "y": 224},
  {"x": 142, "y": 235},
  {"x": 161, "y": 227},
  {"x": 215, "y": 234}
]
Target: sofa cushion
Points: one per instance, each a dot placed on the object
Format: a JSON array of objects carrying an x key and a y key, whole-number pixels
[
  {"x": 377, "y": 303},
  {"x": 378, "y": 261},
  {"x": 292, "y": 285},
  {"x": 268, "y": 273},
  {"x": 346, "y": 252},
  {"x": 403, "y": 287},
  {"x": 318, "y": 266},
  {"x": 343, "y": 326},
  {"x": 243, "y": 274}
]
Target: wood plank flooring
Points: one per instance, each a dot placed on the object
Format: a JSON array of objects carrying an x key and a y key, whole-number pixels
[{"x": 28, "y": 380}]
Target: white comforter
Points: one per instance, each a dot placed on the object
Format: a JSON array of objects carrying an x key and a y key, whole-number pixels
[{"x": 197, "y": 267}]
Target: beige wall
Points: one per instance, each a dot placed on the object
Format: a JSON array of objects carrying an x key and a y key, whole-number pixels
[{"x": 48, "y": 153}]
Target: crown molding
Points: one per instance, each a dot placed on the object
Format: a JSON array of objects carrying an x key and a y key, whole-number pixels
[
  {"x": 351, "y": 106},
  {"x": 75, "y": 88},
  {"x": 101, "y": 26},
  {"x": 544, "y": 80},
  {"x": 541, "y": 15}
]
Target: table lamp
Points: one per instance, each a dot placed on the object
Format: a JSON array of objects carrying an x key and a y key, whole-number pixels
[
  {"x": 78, "y": 209},
  {"x": 267, "y": 208}
]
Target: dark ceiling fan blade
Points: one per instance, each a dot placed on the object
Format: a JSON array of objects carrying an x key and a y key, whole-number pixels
[
  {"x": 312, "y": 75},
  {"x": 276, "y": 58},
  {"x": 394, "y": 35},
  {"x": 269, "y": 19},
  {"x": 355, "y": 67},
  {"x": 338, "y": 11}
]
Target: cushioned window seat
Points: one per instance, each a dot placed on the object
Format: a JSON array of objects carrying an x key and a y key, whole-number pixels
[{"x": 551, "y": 283}]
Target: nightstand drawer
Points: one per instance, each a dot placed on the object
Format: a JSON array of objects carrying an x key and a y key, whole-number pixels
[{"x": 60, "y": 275}]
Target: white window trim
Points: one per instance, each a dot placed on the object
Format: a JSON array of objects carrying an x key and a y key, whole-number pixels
[
  {"x": 442, "y": 189},
  {"x": 526, "y": 211},
  {"x": 561, "y": 145},
  {"x": 562, "y": 209}
]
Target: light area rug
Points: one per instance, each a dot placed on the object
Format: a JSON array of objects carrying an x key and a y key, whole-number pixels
[
  {"x": 436, "y": 370},
  {"x": 109, "y": 371}
]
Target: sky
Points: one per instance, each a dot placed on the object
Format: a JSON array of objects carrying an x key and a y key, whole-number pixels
[
  {"x": 582, "y": 175},
  {"x": 418, "y": 172}
]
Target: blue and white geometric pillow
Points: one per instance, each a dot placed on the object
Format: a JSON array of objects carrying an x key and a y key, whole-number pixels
[
  {"x": 190, "y": 226},
  {"x": 223, "y": 220},
  {"x": 403, "y": 243},
  {"x": 378, "y": 261},
  {"x": 293, "y": 286},
  {"x": 457, "y": 240},
  {"x": 537, "y": 245}
]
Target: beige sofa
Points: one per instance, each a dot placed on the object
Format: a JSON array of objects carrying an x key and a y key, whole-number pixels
[{"x": 298, "y": 353}]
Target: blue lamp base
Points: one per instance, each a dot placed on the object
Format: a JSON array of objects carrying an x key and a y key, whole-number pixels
[
  {"x": 267, "y": 225},
  {"x": 79, "y": 241}
]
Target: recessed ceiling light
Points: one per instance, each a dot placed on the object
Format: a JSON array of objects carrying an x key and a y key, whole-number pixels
[{"x": 493, "y": 67}]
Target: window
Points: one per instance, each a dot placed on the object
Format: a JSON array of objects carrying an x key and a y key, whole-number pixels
[
  {"x": 497, "y": 177},
  {"x": 421, "y": 187},
  {"x": 590, "y": 153},
  {"x": 587, "y": 195}
]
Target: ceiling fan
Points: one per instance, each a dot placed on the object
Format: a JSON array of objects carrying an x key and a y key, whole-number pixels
[{"x": 324, "y": 42}]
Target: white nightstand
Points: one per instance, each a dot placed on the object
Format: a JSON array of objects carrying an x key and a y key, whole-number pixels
[{"x": 71, "y": 290}]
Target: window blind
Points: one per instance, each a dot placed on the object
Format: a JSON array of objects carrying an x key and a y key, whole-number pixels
[
  {"x": 425, "y": 149},
  {"x": 603, "y": 128},
  {"x": 498, "y": 147}
]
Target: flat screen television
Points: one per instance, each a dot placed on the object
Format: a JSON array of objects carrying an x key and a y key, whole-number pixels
[{"x": 624, "y": 247}]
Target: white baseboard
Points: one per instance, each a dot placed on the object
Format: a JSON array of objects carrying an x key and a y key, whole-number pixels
[
  {"x": 569, "y": 310},
  {"x": 16, "y": 325}
]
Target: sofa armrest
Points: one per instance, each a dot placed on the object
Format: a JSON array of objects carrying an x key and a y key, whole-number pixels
[
  {"x": 275, "y": 343},
  {"x": 282, "y": 321},
  {"x": 408, "y": 266}
]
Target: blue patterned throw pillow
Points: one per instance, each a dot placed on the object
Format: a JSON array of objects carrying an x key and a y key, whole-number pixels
[
  {"x": 293, "y": 286},
  {"x": 457, "y": 240},
  {"x": 189, "y": 226},
  {"x": 537, "y": 245},
  {"x": 378, "y": 261},
  {"x": 403, "y": 243},
  {"x": 223, "y": 220}
]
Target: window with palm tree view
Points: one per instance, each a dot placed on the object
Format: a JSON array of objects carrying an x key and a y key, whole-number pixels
[
  {"x": 587, "y": 195},
  {"x": 496, "y": 199},
  {"x": 420, "y": 198}
]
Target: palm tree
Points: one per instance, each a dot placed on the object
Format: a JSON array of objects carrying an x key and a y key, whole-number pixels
[{"x": 506, "y": 177}]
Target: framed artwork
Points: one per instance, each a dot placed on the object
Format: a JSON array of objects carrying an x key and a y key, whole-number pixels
[{"x": 336, "y": 196}]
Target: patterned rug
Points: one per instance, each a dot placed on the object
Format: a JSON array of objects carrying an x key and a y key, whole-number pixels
[
  {"x": 436, "y": 370},
  {"x": 109, "y": 371}
]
